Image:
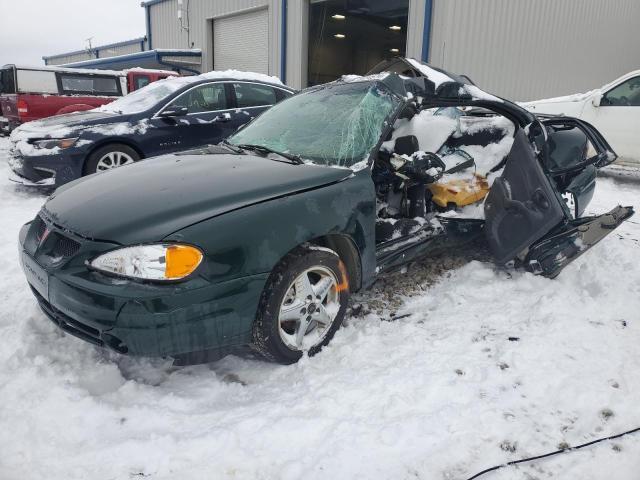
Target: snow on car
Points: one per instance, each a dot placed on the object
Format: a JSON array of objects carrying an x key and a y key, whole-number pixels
[
  {"x": 614, "y": 109},
  {"x": 438, "y": 373}
]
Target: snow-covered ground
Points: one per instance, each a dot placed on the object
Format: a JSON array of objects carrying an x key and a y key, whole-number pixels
[{"x": 480, "y": 366}]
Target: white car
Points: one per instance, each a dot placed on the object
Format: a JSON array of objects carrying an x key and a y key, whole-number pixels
[{"x": 613, "y": 109}]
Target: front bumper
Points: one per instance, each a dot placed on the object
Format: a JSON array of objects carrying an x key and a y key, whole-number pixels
[
  {"x": 144, "y": 319},
  {"x": 46, "y": 170}
]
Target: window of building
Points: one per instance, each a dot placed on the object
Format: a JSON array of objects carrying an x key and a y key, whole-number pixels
[
  {"x": 352, "y": 36},
  {"x": 205, "y": 98}
]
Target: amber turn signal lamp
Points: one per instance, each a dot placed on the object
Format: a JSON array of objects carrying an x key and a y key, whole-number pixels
[{"x": 181, "y": 260}]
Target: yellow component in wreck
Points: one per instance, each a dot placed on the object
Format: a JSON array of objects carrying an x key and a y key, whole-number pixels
[{"x": 459, "y": 193}]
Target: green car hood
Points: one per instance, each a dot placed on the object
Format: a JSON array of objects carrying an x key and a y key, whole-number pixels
[{"x": 149, "y": 200}]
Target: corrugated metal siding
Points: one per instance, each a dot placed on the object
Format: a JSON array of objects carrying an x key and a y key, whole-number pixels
[
  {"x": 79, "y": 57},
  {"x": 530, "y": 49},
  {"x": 297, "y": 42},
  {"x": 166, "y": 31},
  {"x": 415, "y": 28},
  {"x": 121, "y": 50},
  {"x": 102, "y": 53}
]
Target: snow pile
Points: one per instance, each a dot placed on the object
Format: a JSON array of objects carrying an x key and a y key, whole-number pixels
[
  {"x": 478, "y": 94},
  {"x": 122, "y": 128},
  {"x": 576, "y": 97},
  {"x": 439, "y": 78},
  {"x": 364, "y": 78},
  {"x": 439, "y": 373},
  {"x": 432, "y": 131}
]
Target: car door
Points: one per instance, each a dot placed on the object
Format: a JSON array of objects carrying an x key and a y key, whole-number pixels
[
  {"x": 522, "y": 205},
  {"x": 527, "y": 221},
  {"x": 618, "y": 118},
  {"x": 251, "y": 99},
  {"x": 204, "y": 119}
]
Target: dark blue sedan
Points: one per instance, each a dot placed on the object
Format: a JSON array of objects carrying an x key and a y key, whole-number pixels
[{"x": 166, "y": 116}]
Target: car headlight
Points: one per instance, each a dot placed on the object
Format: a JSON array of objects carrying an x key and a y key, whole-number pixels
[
  {"x": 164, "y": 261},
  {"x": 50, "y": 143}
]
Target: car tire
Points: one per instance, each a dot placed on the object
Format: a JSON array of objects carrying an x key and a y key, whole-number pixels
[
  {"x": 288, "y": 322},
  {"x": 109, "y": 157}
]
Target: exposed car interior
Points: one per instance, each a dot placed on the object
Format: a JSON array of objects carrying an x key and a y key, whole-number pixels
[
  {"x": 437, "y": 162},
  {"x": 441, "y": 163}
]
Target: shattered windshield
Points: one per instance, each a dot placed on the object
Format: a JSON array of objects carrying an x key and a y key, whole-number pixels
[{"x": 335, "y": 125}]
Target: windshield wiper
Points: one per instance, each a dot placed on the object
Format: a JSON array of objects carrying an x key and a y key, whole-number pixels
[
  {"x": 261, "y": 148},
  {"x": 231, "y": 146}
]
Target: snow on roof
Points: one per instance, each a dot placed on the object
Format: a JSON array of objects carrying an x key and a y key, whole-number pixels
[
  {"x": 438, "y": 78},
  {"x": 145, "y": 98},
  {"x": 364, "y": 78},
  {"x": 479, "y": 94},
  {"x": 235, "y": 75},
  {"x": 575, "y": 97}
]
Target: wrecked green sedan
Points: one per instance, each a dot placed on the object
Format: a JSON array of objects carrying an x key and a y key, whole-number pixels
[{"x": 260, "y": 240}]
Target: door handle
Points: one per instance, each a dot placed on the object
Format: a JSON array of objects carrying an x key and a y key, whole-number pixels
[{"x": 225, "y": 117}]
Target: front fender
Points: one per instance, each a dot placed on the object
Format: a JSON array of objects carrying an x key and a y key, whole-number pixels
[{"x": 253, "y": 239}]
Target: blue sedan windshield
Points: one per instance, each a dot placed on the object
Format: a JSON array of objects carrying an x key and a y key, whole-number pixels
[{"x": 336, "y": 125}]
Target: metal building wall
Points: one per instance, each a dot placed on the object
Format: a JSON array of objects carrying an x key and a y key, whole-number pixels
[
  {"x": 167, "y": 33},
  {"x": 121, "y": 50},
  {"x": 102, "y": 52},
  {"x": 61, "y": 60},
  {"x": 297, "y": 42},
  {"x": 530, "y": 49}
]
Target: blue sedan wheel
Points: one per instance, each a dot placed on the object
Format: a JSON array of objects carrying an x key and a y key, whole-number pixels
[{"x": 109, "y": 157}]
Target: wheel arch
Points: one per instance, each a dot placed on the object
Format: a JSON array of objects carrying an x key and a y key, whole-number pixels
[
  {"x": 111, "y": 141},
  {"x": 346, "y": 249}
]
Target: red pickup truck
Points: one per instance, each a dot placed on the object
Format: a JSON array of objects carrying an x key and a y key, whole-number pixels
[{"x": 31, "y": 93}]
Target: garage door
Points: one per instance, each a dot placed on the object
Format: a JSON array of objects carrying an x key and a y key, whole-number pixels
[{"x": 241, "y": 42}]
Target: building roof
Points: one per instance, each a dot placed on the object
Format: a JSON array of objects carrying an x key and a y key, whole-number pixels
[
  {"x": 148, "y": 3},
  {"x": 101, "y": 47},
  {"x": 188, "y": 60}
]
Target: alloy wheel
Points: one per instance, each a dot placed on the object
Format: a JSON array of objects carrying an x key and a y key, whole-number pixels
[
  {"x": 113, "y": 160},
  {"x": 309, "y": 308}
]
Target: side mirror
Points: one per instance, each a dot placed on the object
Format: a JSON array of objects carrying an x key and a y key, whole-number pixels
[
  {"x": 174, "y": 112},
  {"x": 597, "y": 99}
]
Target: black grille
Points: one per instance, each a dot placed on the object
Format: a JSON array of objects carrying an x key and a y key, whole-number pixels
[
  {"x": 68, "y": 324},
  {"x": 64, "y": 247}
]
